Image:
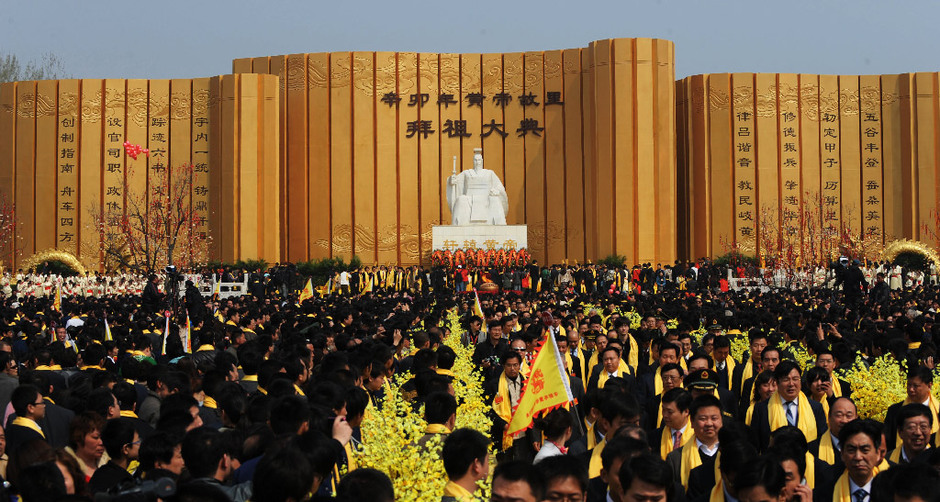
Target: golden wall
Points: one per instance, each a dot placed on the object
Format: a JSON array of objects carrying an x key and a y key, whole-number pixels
[
  {"x": 62, "y": 159},
  {"x": 857, "y": 153},
  {"x": 583, "y": 139}
]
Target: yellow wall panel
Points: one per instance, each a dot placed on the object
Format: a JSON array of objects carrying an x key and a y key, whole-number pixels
[
  {"x": 69, "y": 162},
  {"x": 278, "y": 66},
  {"x": 744, "y": 135},
  {"x": 829, "y": 150},
  {"x": 514, "y": 145},
  {"x": 363, "y": 93},
  {"x": 603, "y": 151},
  {"x": 872, "y": 161},
  {"x": 228, "y": 174},
  {"x": 534, "y": 142},
  {"x": 471, "y": 82},
  {"x": 90, "y": 171},
  {"x": 788, "y": 148},
  {"x": 765, "y": 110},
  {"x": 926, "y": 137},
  {"x": 721, "y": 151},
  {"x": 180, "y": 149},
  {"x": 408, "y": 164},
  {"x": 341, "y": 155},
  {"x": 666, "y": 245},
  {"x": 555, "y": 158},
  {"x": 386, "y": 159},
  {"x": 639, "y": 194},
  {"x": 112, "y": 176},
  {"x": 7, "y": 156},
  {"x": 589, "y": 155},
  {"x": 269, "y": 218},
  {"x": 429, "y": 166},
  {"x": 450, "y": 136},
  {"x": 46, "y": 163},
  {"x": 200, "y": 147},
  {"x": 318, "y": 152},
  {"x": 493, "y": 143},
  {"x": 250, "y": 190},
  {"x": 296, "y": 158},
  {"x": 216, "y": 138},
  {"x": 852, "y": 207},
  {"x": 574, "y": 172},
  {"x": 810, "y": 158}
]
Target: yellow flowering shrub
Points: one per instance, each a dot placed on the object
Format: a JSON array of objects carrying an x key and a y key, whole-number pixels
[
  {"x": 877, "y": 387},
  {"x": 739, "y": 345},
  {"x": 799, "y": 353},
  {"x": 390, "y": 434}
]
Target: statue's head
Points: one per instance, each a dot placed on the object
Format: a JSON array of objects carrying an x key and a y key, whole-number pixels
[{"x": 477, "y": 159}]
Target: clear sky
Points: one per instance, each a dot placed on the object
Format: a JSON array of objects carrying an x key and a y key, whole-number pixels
[{"x": 185, "y": 39}]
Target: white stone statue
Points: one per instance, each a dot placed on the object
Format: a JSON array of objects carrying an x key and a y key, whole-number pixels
[{"x": 476, "y": 196}]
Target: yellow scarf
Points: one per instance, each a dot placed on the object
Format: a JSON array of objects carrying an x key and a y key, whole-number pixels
[
  {"x": 591, "y": 438},
  {"x": 92, "y": 367},
  {"x": 30, "y": 424},
  {"x": 690, "y": 460},
  {"x": 827, "y": 452},
  {"x": 44, "y": 367},
  {"x": 658, "y": 381},
  {"x": 896, "y": 454},
  {"x": 130, "y": 414},
  {"x": 594, "y": 468},
  {"x": 825, "y": 405},
  {"x": 624, "y": 369},
  {"x": 299, "y": 391},
  {"x": 718, "y": 491},
  {"x": 836, "y": 390},
  {"x": 452, "y": 489},
  {"x": 933, "y": 405},
  {"x": 250, "y": 378},
  {"x": 729, "y": 366},
  {"x": 350, "y": 458},
  {"x": 747, "y": 373},
  {"x": 209, "y": 402},
  {"x": 665, "y": 444},
  {"x": 633, "y": 358},
  {"x": 810, "y": 472},
  {"x": 502, "y": 403},
  {"x": 749, "y": 415},
  {"x": 842, "y": 492},
  {"x": 805, "y": 419}
]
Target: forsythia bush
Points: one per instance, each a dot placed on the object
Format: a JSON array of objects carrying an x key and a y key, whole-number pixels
[
  {"x": 390, "y": 434},
  {"x": 877, "y": 387}
]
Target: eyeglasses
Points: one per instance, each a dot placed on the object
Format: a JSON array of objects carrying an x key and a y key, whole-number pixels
[
  {"x": 135, "y": 442},
  {"x": 39, "y": 403}
]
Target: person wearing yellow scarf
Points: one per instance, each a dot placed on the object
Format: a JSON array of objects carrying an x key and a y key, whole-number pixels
[
  {"x": 919, "y": 384},
  {"x": 462, "y": 475},
  {"x": 788, "y": 406},
  {"x": 706, "y": 416},
  {"x": 724, "y": 363},
  {"x": 613, "y": 366},
  {"x": 914, "y": 422},
  {"x": 677, "y": 428},
  {"x": 743, "y": 372},
  {"x": 861, "y": 452},
  {"x": 841, "y": 412}
]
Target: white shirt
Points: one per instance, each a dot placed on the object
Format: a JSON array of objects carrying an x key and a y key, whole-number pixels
[
  {"x": 705, "y": 449},
  {"x": 548, "y": 449},
  {"x": 853, "y": 487}
]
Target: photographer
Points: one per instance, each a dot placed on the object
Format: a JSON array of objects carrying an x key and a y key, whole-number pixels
[
  {"x": 152, "y": 296},
  {"x": 489, "y": 353}
]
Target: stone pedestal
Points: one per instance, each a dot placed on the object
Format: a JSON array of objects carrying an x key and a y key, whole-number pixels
[{"x": 453, "y": 237}]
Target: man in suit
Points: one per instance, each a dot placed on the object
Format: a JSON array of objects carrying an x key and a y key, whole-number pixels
[
  {"x": 707, "y": 420},
  {"x": 30, "y": 408},
  {"x": 914, "y": 424},
  {"x": 9, "y": 377},
  {"x": 610, "y": 367},
  {"x": 56, "y": 419},
  {"x": 827, "y": 447},
  {"x": 699, "y": 362},
  {"x": 919, "y": 383},
  {"x": 724, "y": 363},
  {"x": 826, "y": 360},
  {"x": 671, "y": 375},
  {"x": 769, "y": 359},
  {"x": 758, "y": 342},
  {"x": 676, "y": 429},
  {"x": 668, "y": 354},
  {"x": 790, "y": 403}
]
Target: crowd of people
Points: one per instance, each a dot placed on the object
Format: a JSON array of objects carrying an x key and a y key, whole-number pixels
[{"x": 262, "y": 397}]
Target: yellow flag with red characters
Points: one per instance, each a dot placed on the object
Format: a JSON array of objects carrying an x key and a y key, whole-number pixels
[
  {"x": 478, "y": 311},
  {"x": 307, "y": 291},
  {"x": 547, "y": 388}
]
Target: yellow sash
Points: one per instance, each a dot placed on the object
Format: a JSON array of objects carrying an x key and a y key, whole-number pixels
[
  {"x": 25, "y": 422},
  {"x": 690, "y": 460},
  {"x": 452, "y": 489},
  {"x": 658, "y": 381},
  {"x": 44, "y": 367},
  {"x": 825, "y": 405},
  {"x": 633, "y": 358},
  {"x": 827, "y": 453},
  {"x": 350, "y": 458},
  {"x": 810, "y": 472},
  {"x": 896, "y": 454},
  {"x": 665, "y": 444},
  {"x": 747, "y": 373},
  {"x": 729, "y": 366},
  {"x": 718, "y": 492},
  {"x": 299, "y": 391},
  {"x": 131, "y": 414},
  {"x": 624, "y": 369},
  {"x": 209, "y": 402},
  {"x": 749, "y": 415},
  {"x": 842, "y": 491},
  {"x": 502, "y": 403},
  {"x": 836, "y": 390},
  {"x": 591, "y": 438},
  {"x": 805, "y": 419},
  {"x": 594, "y": 468}
]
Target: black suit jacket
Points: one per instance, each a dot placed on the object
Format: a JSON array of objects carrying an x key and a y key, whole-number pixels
[
  {"x": 760, "y": 424},
  {"x": 736, "y": 378},
  {"x": 17, "y": 436},
  {"x": 55, "y": 424},
  {"x": 630, "y": 381}
]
